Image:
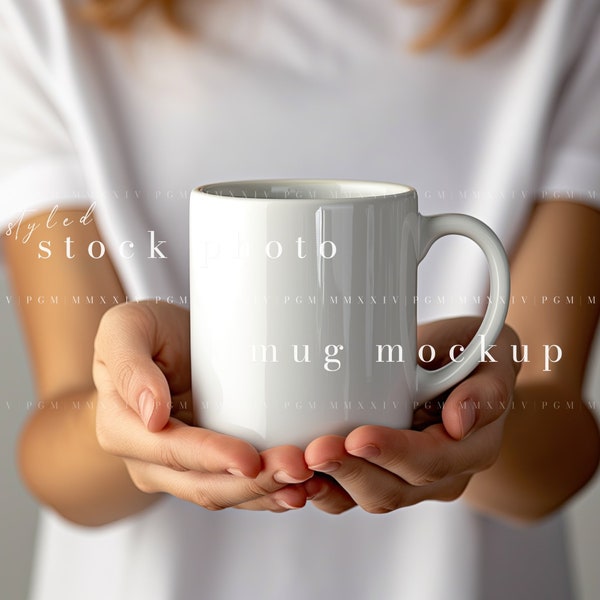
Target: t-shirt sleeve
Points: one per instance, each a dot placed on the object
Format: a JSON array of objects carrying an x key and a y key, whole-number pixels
[
  {"x": 39, "y": 167},
  {"x": 571, "y": 165}
]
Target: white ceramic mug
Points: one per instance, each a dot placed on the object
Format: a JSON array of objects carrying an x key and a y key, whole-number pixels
[{"x": 302, "y": 314}]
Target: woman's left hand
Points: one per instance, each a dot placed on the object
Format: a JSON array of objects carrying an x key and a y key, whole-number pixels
[{"x": 382, "y": 469}]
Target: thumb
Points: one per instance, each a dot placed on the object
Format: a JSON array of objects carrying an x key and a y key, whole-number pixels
[
  {"x": 478, "y": 401},
  {"x": 131, "y": 342},
  {"x": 486, "y": 394}
]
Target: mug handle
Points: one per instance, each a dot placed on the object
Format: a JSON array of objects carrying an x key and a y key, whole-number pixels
[{"x": 431, "y": 228}]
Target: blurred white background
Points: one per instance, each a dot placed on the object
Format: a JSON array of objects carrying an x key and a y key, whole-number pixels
[{"x": 18, "y": 513}]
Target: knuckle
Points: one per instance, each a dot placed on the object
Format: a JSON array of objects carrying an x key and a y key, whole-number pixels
[
  {"x": 334, "y": 509},
  {"x": 386, "y": 503},
  {"x": 436, "y": 470},
  {"x": 113, "y": 320},
  {"x": 488, "y": 462},
  {"x": 258, "y": 489},
  {"x": 354, "y": 476},
  {"x": 124, "y": 373},
  {"x": 332, "y": 506},
  {"x": 488, "y": 457},
  {"x": 142, "y": 483},
  {"x": 168, "y": 457},
  {"x": 343, "y": 509},
  {"x": 108, "y": 347},
  {"x": 453, "y": 491},
  {"x": 376, "y": 509},
  {"x": 105, "y": 438},
  {"x": 213, "y": 506},
  {"x": 204, "y": 498},
  {"x": 209, "y": 443},
  {"x": 500, "y": 391},
  {"x": 396, "y": 457},
  {"x": 333, "y": 500},
  {"x": 99, "y": 337}
]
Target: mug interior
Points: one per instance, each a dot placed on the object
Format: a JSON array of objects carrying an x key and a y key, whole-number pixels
[{"x": 313, "y": 189}]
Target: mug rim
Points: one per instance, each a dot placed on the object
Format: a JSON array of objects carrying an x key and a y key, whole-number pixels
[{"x": 374, "y": 190}]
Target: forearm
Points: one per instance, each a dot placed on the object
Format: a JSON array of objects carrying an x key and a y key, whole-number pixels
[
  {"x": 65, "y": 468},
  {"x": 551, "y": 448},
  {"x": 551, "y": 442},
  {"x": 60, "y": 459}
]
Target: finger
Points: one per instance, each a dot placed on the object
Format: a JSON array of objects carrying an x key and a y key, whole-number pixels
[
  {"x": 462, "y": 414},
  {"x": 484, "y": 396},
  {"x": 286, "y": 463},
  {"x": 209, "y": 490},
  {"x": 217, "y": 491},
  {"x": 287, "y": 468},
  {"x": 421, "y": 458},
  {"x": 291, "y": 497},
  {"x": 479, "y": 400},
  {"x": 143, "y": 350},
  {"x": 374, "y": 489},
  {"x": 177, "y": 446},
  {"x": 181, "y": 447},
  {"x": 378, "y": 490},
  {"x": 328, "y": 495}
]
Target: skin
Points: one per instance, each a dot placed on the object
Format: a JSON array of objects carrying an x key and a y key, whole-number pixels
[
  {"x": 122, "y": 446},
  {"x": 544, "y": 454}
]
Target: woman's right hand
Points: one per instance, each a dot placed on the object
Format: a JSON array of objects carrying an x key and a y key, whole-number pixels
[{"x": 142, "y": 375}]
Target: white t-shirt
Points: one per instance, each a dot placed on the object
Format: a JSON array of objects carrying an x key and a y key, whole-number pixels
[{"x": 270, "y": 88}]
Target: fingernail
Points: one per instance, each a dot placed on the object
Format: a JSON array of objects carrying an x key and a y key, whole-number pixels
[
  {"x": 328, "y": 467},
  {"x": 285, "y": 505},
  {"x": 368, "y": 451},
  {"x": 146, "y": 406},
  {"x": 283, "y": 477},
  {"x": 236, "y": 473},
  {"x": 467, "y": 417}
]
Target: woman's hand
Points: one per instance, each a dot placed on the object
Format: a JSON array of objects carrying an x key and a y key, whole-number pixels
[
  {"x": 142, "y": 374},
  {"x": 383, "y": 469}
]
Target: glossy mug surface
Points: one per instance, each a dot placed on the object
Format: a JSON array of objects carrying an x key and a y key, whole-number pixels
[{"x": 302, "y": 314}]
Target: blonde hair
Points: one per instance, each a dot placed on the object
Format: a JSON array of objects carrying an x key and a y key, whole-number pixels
[
  {"x": 459, "y": 25},
  {"x": 120, "y": 15},
  {"x": 469, "y": 25}
]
